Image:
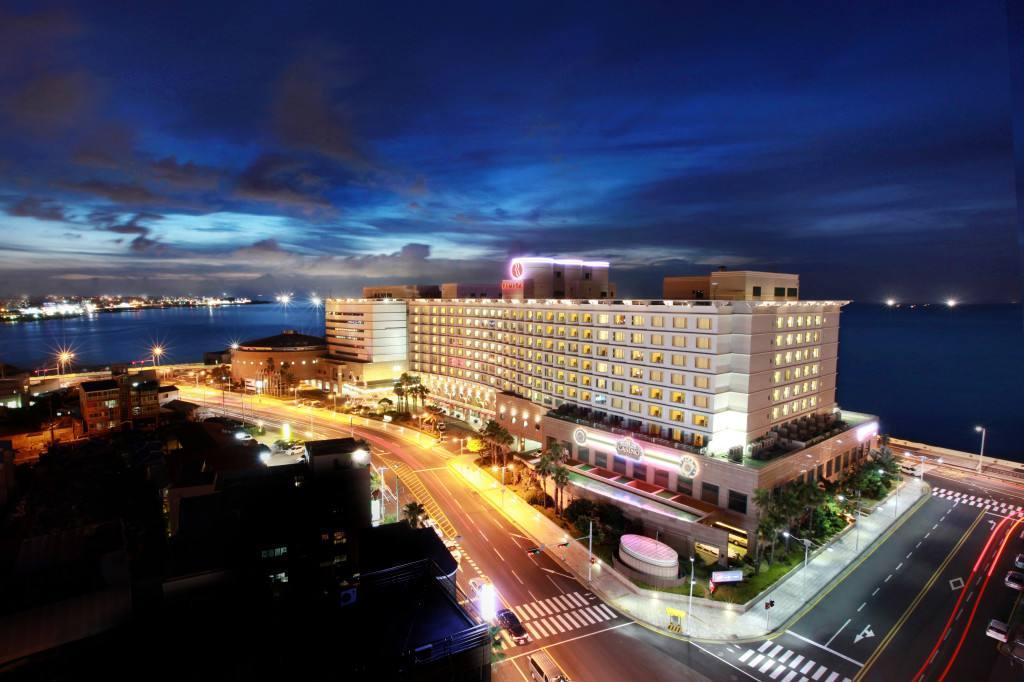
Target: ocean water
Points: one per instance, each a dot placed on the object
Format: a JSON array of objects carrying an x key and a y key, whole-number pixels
[{"x": 931, "y": 374}]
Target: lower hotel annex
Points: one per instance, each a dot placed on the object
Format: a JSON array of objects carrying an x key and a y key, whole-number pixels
[{"x": 676, "y": 410}]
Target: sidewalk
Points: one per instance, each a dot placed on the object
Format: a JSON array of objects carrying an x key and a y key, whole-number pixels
[{"x": 709, "y": 620}]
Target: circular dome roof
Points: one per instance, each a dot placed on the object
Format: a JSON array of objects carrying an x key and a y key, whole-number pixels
[{"x": 649, "y": 550}]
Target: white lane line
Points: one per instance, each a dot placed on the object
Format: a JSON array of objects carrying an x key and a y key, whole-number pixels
[
  {"x": 533, "y": 632},
  {"x": 876, "y": 591},
  {"x": 909, "y": 555},
  {"x": 553, "y": 603},
  {"x": 565, "y": 623},
  {"x": 927, "y": 534},
  {"x": 778, "y": 671},
  {"x": 784, "y": 657},
  {"x": 579, "y": 599},
  {"x": 520, "y": 612},
  {"x": 790, "y": 676},
  {"x": 918, "y": 544},
  {"x": 744, "y": 657},
  {"x": 558, "y": 626},
  {"x": 818, "y": 673},
  {"x": 888, "y": 578},
  {"x": 861, "y": 606},
  {"x": 582, "y": 613},
  {"x": 810, "y": 664},
  {"x": 499, "y": 555},
  {"x": 767, "y": 664},
  {"x": 838, "y": 631},
  {"x": 899, "y": 565},
  {"x": 775, "y": 652},
  {"x": 517, "y": 576},
  {"x": 576, "y": 623},
  {"x": 539, "y": 624},
  {"x": 832, "y": 677},
  {"x": 935, "y": 526},
  {"x": 795, "y": 662},
  {"x": 530, "y": 615},
  {"x": 540, "y": 606},
  {"x": 754, "y": 661},
  {"x": 825, "y": 648},
  {"x": 605, "y": 609},
  {"x": 480, "y": 531},
  {"x": 764, "y": 646},
  {"x": 565, "y": 602}
]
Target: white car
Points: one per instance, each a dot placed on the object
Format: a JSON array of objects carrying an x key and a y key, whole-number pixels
[
  {"x": 476, "y": 585},
  {"x": 997, "y": 629},
  {"x": 1014, "y": 580}
]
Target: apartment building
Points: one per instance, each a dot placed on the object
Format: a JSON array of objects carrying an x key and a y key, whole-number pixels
[{"x": 100, "y": 404}]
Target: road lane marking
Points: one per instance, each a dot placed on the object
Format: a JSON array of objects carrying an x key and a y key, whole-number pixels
[
  {"x": 796, "y": 661},
  {"x": 863, "y": 604},
  {"x": 517, "y": 576},
  {"x": 899, "y": 565},
  {"x": 775, "y": 652},
  {"x": 778, "y": 671},
  {"x": 819, "y": 672},
  {"x": 784, "y": 657},
  {"x": 533, "y": 632},
  {"x": 888, "y": 578},
  {"x": 790, "y": 676},
  {"x": 825, "y": 648},
  {"x": 744, "y": 657},
  {"x": 605, "y": 609},
  {"x": 876, "y": 591},
  {"x": 832, "y": 677},
  {"x": 810, "y": 664},
  {"x": 498, "y": 553},
  {"x": 767, "y": 664},
  {"x": 764, "y": 646},
  {"x": 838, "y": 631},
  {"x": 917, "y": 600}
]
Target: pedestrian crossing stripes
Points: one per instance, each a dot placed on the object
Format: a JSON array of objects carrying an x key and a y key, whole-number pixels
[
  {"x": 976, "y": 501},
  {"x": 565, "y": 613},
  {"x": 784, "y": 665}
]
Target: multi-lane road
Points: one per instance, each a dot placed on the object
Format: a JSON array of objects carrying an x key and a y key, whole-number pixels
[{"x": 885, "y": 619}]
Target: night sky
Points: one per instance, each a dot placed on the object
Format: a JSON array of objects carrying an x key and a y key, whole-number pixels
[{"x": 266, "y": 147}]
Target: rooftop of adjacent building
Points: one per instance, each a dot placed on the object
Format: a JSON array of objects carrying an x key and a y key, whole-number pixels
[{"x": 289, "y": 339}]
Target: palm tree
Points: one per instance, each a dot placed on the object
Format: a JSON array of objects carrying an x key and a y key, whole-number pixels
[
  {"x": 419, "y": 392},
  {"x": 385, "y": 404},
  {"x": 413, "y": 513},
  {"x": 545, "y": 467},
  {"x": 558, "y": 451},
  {"x": 399, "y": 391},
  {"x": 560, "y": 477}
]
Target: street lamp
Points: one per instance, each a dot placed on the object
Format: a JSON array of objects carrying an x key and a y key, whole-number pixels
[
  {"x": 981, "y": 453},
  {"x": 495, "y": 468},
  {"x": 157, "y": 351},
  {"x": 807, "y": 551},
  {"x": 689, "y": 612},
  {"x": 64, "y": 358}
]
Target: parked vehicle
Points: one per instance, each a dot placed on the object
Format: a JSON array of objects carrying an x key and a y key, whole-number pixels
[
  {"x": 1014, "y": 580},
  {"x": 997, "y": 629},
  {"x": 1019, "y": 561},
  {"x": 511, "y": 623},
  {"x": 544, "y": 669}
]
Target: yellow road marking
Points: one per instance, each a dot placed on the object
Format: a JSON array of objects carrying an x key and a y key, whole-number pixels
[{"x": 917, "y": 600}]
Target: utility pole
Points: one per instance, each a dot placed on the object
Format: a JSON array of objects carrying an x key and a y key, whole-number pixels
[{"x": 689, "y": 608}]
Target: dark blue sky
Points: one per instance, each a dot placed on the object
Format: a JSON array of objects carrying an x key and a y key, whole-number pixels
[{"x": 263, "y": 147}]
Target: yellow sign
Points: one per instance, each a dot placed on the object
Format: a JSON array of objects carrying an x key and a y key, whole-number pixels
[{"x": 678, "y": 613}]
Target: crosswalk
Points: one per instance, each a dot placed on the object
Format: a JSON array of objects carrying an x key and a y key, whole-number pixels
[
  {"x": 564, "y": 613},
  {"x": 976, "y": 501},
  {"x": 786, "y": 665}
]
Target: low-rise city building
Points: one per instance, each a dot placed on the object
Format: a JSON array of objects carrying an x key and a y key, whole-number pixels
[{"x": 277, "y": 364}]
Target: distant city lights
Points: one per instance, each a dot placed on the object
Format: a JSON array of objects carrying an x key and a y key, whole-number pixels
[
  {"x": 315, "y": 301},
  {"x": 283, "y": 299},
  {"x": 951, "y": 302},
  {"x": 890, "y": 302}
]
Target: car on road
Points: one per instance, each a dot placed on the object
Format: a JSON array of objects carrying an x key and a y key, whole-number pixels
[
  {"x": 476, "y": 586},
  {"x": 1019, "y": 561},
  {"x": 997, "y": 629},
  {"x": 510, "y": 621},
  {"x": 1015, "y": 580},
  {"x": 544, "y": 669}
]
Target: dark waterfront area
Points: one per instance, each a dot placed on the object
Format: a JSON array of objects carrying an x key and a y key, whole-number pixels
[{"x": 931, "y": 373}]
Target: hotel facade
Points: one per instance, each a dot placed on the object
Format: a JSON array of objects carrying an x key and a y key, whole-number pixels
[{"x": 676, "y": 409}]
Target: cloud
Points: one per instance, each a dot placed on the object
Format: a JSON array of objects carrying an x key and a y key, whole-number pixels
[
  {"x": 185, "y": 175},
  {"x": 283, "y": 181},
  {"x": 41, "y": 209},
  {"x": 51, "y": 102},
  {"x": 113, "y": 222},
  {"x": 120, "y": 192},
  {"x": 306, "y": 110}
]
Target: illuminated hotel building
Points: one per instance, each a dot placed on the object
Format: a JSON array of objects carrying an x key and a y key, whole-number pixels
[{"x": 691, "y": 403}]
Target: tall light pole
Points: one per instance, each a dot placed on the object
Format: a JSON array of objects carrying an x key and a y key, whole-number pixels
[
  {"x": 64, "y": 358},
  {"x": 981, "y": 453},
  {"x": 807, "y": 552},
  {"x": 157, "y": 351},
  {"x": 689, "y": 609}
]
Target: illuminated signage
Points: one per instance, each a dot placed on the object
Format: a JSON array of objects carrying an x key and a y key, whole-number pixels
[
  {"x": 688, "y": 466},
  {"x": 517, "y": 269},
  {"x": 511, "y": 285},
  {"x": 627, "y": 447},
  {"x": 579, "y": 436}
]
